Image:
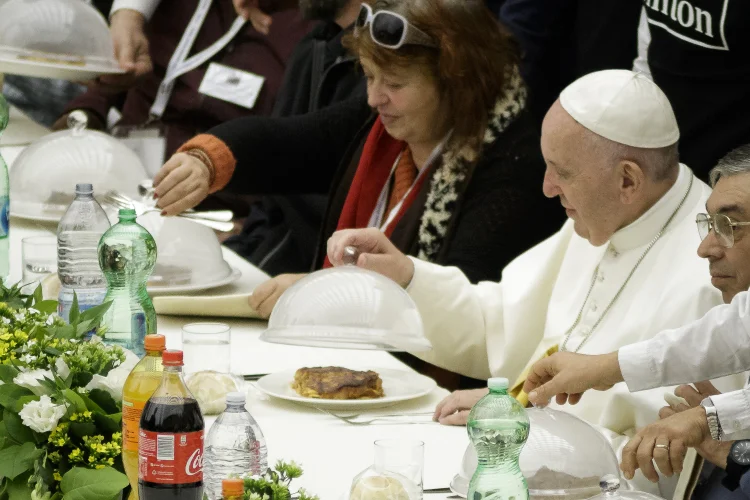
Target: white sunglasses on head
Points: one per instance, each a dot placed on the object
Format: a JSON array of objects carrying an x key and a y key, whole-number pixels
[{"x": 390, "y": 29}]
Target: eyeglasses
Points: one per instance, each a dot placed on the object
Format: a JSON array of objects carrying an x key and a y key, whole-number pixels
[
  {"x": 390, "y": 30},
  {"x": 722, "y": 226}
]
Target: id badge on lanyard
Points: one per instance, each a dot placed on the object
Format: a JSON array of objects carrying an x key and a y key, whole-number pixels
[{"x": 180, "y": 63}]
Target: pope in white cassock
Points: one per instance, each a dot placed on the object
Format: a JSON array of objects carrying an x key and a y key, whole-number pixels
[{"x": 622, "y": 268}]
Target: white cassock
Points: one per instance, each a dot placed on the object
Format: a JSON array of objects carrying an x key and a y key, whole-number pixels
[{"x": 498, "y": 329}]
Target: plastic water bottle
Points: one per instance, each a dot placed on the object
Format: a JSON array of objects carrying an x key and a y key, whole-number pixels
[
  {"x": 498, "y": 428},
  {"x": 78, "y": 236},
  {"x": 127, "y": 256},
  {"x": 4, "y": 200},
  {"x": 235, "y": 445}
]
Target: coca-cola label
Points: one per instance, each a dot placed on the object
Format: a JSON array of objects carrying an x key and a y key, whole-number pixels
[{"x": 169, "y": 458}]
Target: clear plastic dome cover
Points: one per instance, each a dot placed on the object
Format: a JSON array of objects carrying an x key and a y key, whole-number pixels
[
  {"x": 54, "y": 38},
  {"x": 564, "y": 458},
  {"x": 611, "y": 489},
  {"x": 349, "y": 308},
  {"x": 189, "y": 253},
  {"x": 44, "y": 176}
]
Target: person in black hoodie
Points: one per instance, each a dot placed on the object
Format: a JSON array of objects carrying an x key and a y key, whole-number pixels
[{"x": 281, "y": 232}]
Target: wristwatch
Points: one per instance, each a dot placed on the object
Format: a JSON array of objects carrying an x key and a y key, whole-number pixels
[
  {"x": 738, "y": 463},
  {"x": 712, "y": 417}
]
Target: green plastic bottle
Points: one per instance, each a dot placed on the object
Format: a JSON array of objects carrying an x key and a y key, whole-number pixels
[
  {"x": 498, "y": 428},
  {"x": 127, "y": 256}
]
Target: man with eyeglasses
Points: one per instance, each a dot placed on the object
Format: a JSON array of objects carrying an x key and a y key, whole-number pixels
[{"x": 717, "y": 425}]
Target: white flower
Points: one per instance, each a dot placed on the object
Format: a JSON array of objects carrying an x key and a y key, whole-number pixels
[
  {"x": 6, "y": 320},
  {"x": 33, "y": 311},
  {"x": 42, "y": 415},
  {"x": 50, "y": 319},
  {"x": 62, "y": 368},
  {"x": 28, "y": 358},
  {"x": 32, "y": 380}
]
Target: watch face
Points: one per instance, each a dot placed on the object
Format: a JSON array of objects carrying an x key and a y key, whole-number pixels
[{"x": 741, "y": 452}]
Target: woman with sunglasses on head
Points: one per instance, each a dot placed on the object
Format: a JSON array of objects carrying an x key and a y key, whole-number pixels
[{"x": 449, "y": 167}]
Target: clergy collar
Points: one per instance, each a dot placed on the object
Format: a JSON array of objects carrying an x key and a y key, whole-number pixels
[{"x": 643, "y": 230}]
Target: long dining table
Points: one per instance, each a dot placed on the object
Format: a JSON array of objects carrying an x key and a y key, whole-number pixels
[{"x": 331, "y": 452}]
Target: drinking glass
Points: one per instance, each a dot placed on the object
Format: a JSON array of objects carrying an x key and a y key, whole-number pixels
[
  {"x": 398, "y": 469},
  {"x": 206, "y": 347},
  {"x": 39, "y": 258}
]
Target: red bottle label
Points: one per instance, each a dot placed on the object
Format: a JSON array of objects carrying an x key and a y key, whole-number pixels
[{"x": 169, "y": 458}]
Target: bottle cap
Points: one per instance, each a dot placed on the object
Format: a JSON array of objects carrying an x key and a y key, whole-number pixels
[
  {"x": 232, "y": 487},
  {"x": 498, "y": 383},
  {"x": 126, "y": 214},
  {"x": 172, "y": 358},
  {"x": 236, "y": 398},
  {"x": 155, "y": 342}
]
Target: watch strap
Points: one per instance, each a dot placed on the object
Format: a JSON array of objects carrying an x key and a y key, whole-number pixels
[
  {"x": 712, "y": 418},
  {"x": 734, "y": 472}
]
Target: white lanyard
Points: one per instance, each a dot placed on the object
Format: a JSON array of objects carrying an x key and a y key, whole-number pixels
[
  {"x": 180, "y": 64},
  {"x": 376, "y": 219}
]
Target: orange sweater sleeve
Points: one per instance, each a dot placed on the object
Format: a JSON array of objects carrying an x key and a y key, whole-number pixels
[{"x": 222, "y": 160}]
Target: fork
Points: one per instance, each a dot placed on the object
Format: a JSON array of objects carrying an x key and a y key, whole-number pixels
[
  {"x": 358, "y": 419},
  {"x": 118, "y": 200},
  {"x": 214, "y": 215}
]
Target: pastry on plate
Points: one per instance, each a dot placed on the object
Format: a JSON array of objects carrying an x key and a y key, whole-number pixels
[{"x": 334, "y": 382}]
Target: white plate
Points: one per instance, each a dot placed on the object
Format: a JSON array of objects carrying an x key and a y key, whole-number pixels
[
  {"x": 60, "y": 71},
  {"x": 196, "y": 287},
  {"x": 398, "y": 386},
  {"x": 52, "y": 285},
  {"x": 37, "y": 218},
  {"x": 460, "y": 486}
]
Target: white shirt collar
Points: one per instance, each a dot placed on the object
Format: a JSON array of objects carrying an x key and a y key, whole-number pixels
[{"x": 643, "y": 230}]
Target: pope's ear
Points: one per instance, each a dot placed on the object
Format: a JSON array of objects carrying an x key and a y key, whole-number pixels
[{"x": 632, "y": 180}]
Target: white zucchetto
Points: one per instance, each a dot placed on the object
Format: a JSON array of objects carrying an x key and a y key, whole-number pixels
[{"x": 624, "y": 107}]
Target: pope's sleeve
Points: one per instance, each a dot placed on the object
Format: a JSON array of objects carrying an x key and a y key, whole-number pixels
[
  {"x": 733, "y": 410},
  {"x": 455, "y": 314},
  {"x": 713, "y": 346},
  {"x": 145, "y": 7}
]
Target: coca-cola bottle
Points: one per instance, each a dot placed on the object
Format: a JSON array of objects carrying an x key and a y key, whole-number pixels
[{"x": 170, "y": 446}]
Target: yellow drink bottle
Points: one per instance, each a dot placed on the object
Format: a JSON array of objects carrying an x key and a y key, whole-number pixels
[{"x": 138, "y": 388}]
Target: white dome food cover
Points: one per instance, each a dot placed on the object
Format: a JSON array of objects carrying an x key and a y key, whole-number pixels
[
  {"x": 611, "y": 490},
  {"x": 44, "y": 176},
  {"x": 189, "y": 253},
  {"x": 349, "y": 308},
  {"x": 39, "y": 36},
  {"x": 564, "y": 458}
]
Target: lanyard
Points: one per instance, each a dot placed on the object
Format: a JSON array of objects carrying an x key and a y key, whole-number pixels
[
  {"x": 180, "y": 63},
  {"x": 376, "y": 219}
]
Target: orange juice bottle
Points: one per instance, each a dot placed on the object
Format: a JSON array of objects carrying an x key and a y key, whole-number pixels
[
  {"x": 232, "y": 489},
  {"x": 138, "y": 388}
]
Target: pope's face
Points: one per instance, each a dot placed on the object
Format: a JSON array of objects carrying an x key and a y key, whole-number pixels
[
  {"x": 581, "y": 176},
  {"x": 730, "y": 267}
]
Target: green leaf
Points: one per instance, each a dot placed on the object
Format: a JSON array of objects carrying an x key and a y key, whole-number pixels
[
  {"x": 8, "y": 373},
  {"x": 15, "y": 428},
  {"x": 92, "y": 484},
  {"x": 46, "y": 306},
  {"x": 9, "y": 394},
  {"x": 104, "y": 400},
  {"x": 90, "y": 404},
  {"x": 74, "y": 313},
  {"x": 108, "y": 424},
  {"x": 38, "y": 296},
  {"x": 23, "y": 400},
  {"x": 80, "y": 429},
  {"x": 52, "y": 351},
  {"x": 16, "y": 460},
  {"x": 81, "y": 379},
  {"x": 75, "y": 399},
  {"x": 96, "y": 312},
  {"x": 19, "y": 488},
  {"x": 62, "y": 332}
]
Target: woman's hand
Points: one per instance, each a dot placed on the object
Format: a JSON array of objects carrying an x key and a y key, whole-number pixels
[
  {"x": 454, "y": 410},
  {"x": 181, "y": 184},
  {"x": 266, "y": 295}
]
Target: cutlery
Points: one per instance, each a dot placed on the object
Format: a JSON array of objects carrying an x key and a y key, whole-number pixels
[
  {"x": 253, "y": 377},
  {"x": 360, "y": 419},
  {"x": 217, "y": 222}
]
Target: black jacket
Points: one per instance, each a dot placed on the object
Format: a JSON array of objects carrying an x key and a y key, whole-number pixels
[{"x": 280, "y": 233}]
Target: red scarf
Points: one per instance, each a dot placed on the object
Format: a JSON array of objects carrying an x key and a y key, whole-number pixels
[{"x": 373, "y": 173}]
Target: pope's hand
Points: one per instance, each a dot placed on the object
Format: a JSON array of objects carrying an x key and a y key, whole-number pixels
[
  {"x": 250, "y": 10},
  {"x": 266, "y": 295},
  {"x": 566, "y": 376},
  {"x": 376, "y": 253},
  {"x": 131, "y": 51},
  {"x": 454, "y": 410},
  {"x": 181, "y": 184},
  {"x": 665, "y": 442}
]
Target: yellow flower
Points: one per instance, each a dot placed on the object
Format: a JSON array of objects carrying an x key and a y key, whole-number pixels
[
  {"x": 57, "y": 476},
  {"x": 99, "y": 466},
  {"x": 74, "y": 417}
]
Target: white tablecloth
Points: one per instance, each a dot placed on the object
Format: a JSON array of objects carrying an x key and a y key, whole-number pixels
[{"x": 331, "y": 452}]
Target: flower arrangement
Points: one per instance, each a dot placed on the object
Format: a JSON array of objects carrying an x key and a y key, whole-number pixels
[
  {"x": 60, "y": 434},
  {"x": 274, "y": 484}
]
